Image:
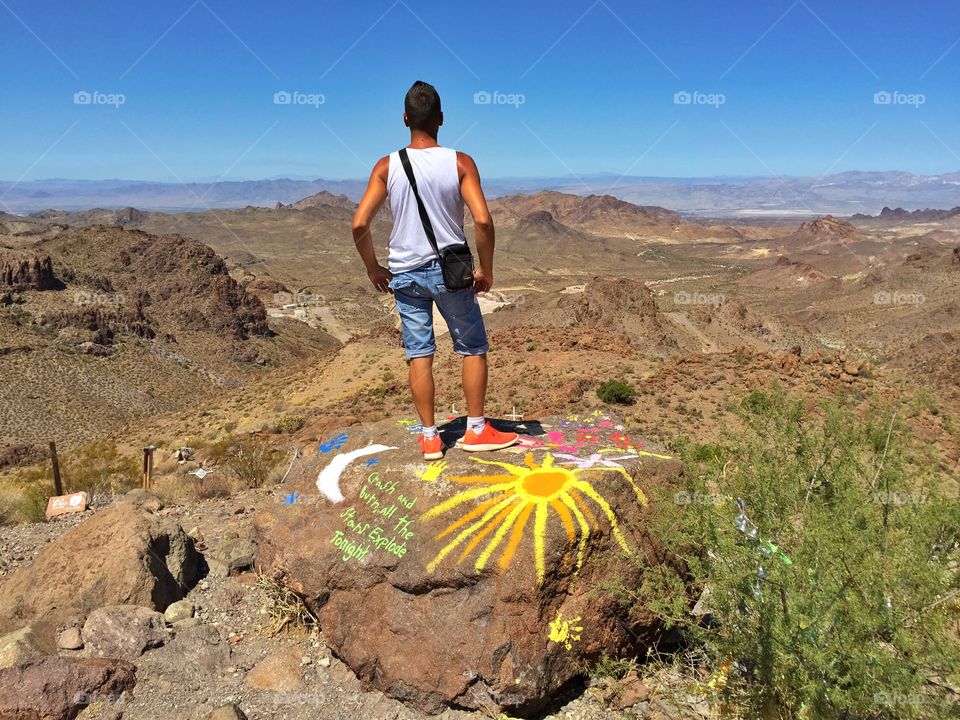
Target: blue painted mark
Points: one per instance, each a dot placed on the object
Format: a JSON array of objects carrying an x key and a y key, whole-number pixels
[
  {"x": 372, "y": 461},
  {"x": 291, "y": 498},
  {"x": 333, "y": 444},
  {"x": 415, "y": 428}
]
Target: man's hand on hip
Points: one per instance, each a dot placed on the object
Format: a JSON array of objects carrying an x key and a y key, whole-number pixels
[
  {"x": 482, "y": 280},
  {"x": 380, "y": 276}
]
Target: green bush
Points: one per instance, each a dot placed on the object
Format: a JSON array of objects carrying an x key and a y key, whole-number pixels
[
  {"x": 289, "y": 424},
  {"x": 829, "y": 560},
  {"x": 616, "y": 392}
]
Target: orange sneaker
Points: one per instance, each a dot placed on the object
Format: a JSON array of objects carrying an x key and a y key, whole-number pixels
[
  {"x": 489, "y": 439},
  {"x": 432, "y": 449}
]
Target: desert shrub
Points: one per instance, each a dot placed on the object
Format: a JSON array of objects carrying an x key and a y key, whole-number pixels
[
  {"x": 214, "y": 485},
  {"x": 609, "y": 667},
  {"x": 289, "y": 424},
  {"x": 616, "y": 392},
  {"x": 283, "y": 607},
  {"x": 24, "y": 503},
  {"x": 828, "y": 559},
  {"x": 172, "y": 488},
  {"x": 251, "y": 461}
]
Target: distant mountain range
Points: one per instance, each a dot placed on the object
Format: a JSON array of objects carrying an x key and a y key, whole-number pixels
[{"x": 843, "y": 194}]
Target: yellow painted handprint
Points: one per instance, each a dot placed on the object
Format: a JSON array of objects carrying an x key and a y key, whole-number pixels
[{"x": 433, "y": 470}]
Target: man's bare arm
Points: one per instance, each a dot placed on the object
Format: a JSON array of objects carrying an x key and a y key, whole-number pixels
[
  {"x": 370, "y": 204},
  {"x": 472, "y": 192}
]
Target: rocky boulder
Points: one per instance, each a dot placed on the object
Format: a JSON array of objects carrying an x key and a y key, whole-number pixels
[
  {"x": 20, "y": 646},
  {"x": 54, "y": 688},
  {"x": 121, "y": 555},
  {"x": 475, "y": 581},
  {"x": 123, "y": 631}
]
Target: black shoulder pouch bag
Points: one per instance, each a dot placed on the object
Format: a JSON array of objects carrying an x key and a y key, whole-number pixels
[{"x": 456, "y": 261}]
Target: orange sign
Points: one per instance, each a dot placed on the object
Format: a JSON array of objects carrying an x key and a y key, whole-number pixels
[{"x": 63, "y": 504}]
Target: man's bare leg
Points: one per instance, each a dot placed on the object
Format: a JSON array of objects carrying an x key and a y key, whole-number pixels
[
  {"x": 475, "y": 383},
  {"x": 420, "y": 371}
]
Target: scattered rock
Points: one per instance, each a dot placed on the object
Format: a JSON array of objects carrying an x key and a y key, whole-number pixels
[
  {"x": 279, "y": 672},
  {"x": 179, "y": 611},
  {"x": 96, "y": 349},
  {"x": 189, "y": 622},
  {"x": 194, "y": 651},
  {"x": 227, "y": 712},
  {"x": 123, "y": 631},
  {"x": 70, "y": 639},
  {"x": 630, "y": 691},
  {"x": 56, "y": 688},
  {"x": 120, "y": 555},
  {"x": 19, "y": 647},
  {"x": 232, "y": 557}
]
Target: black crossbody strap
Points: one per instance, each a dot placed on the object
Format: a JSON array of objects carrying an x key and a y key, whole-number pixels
[{"x": 424, "y": 218}]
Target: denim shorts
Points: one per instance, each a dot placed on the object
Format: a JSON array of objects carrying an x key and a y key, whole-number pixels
[{"x": 415, "y": 292}]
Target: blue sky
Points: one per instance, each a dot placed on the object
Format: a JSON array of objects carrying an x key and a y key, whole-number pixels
[{"x": 775, "y": 87}]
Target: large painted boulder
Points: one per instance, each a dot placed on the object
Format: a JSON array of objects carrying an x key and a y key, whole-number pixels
[{"x": 480, "y": 580}]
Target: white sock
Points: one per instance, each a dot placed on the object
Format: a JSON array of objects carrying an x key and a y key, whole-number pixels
[
  {"x": 476, "y": 424},
  {"x": 429, "y": 432}
]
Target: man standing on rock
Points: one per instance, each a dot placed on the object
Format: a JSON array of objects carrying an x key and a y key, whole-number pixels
[{"x": 445, "y": 180}]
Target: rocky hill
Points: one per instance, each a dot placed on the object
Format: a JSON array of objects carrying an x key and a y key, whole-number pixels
[
  {"x": 820, "y": 232},
  {"x": 101, "y": 325},
  {"x": 26, "y": 273},
  {"x": 784, "y": 274},
  {"x": 596, "y": 212},
  {"x": 899, "y": 215},
  {"x": 321, "y": 198}
]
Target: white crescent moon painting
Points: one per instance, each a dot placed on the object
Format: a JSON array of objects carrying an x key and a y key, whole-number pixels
[{"x": 328, "y": 481}]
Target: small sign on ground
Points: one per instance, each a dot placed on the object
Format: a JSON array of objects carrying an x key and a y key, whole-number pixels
[{"x": 63, "y": 504}]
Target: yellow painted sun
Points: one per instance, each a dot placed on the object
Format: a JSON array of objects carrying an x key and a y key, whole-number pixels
[{"x": 508, "y": 502}]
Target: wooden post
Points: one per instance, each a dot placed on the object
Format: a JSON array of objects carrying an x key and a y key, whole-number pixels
[
  {"x": 57, "y": 483},
  {"x": 148, "y": 465}
]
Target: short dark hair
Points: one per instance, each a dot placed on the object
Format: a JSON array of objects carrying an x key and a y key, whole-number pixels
[{"x": 422, "y": 106}]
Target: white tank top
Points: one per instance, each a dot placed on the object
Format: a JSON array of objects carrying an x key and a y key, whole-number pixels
[{"x": 438, "y": 181}]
